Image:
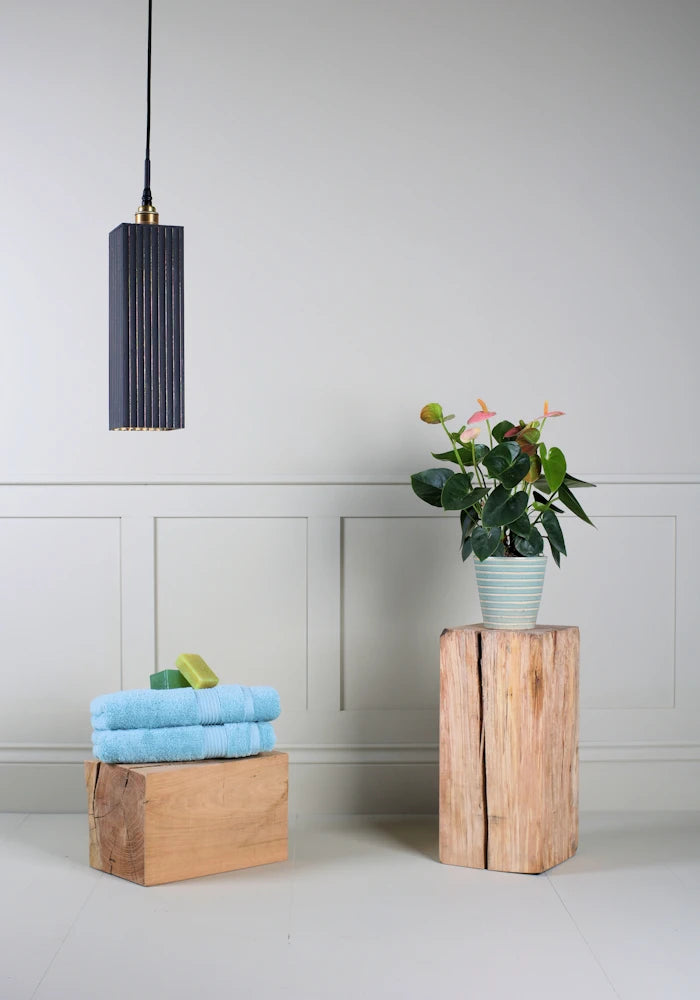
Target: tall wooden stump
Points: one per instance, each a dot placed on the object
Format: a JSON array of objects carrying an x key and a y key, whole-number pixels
[{"x": 509, "y": 747}]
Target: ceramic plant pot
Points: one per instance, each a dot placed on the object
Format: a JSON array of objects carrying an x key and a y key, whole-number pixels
[{"x": 510, "y": 590}]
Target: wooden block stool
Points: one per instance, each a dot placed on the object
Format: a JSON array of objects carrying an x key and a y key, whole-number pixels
[
  {"x": 509, "y": 747},
  {"x": 153, "y": 823}
]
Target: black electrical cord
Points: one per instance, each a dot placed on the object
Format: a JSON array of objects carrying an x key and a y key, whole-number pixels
[{"x": 147, "y": 198}]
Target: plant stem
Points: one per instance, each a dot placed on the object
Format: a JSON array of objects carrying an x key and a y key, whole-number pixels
[
  {"x": 454, "y": 447},
  {"x": 476, "y": 467},
  {"x": 547, "y": 506},
  {"x": 488, "y": 424}
]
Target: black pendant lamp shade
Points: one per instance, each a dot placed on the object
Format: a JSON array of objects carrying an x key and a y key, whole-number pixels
[
  {"x": 146, "y": 328},
  {"x": 146, "y": 348}
]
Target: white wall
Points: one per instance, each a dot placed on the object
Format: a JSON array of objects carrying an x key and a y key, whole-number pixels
[{"x": 385, "y": 203}]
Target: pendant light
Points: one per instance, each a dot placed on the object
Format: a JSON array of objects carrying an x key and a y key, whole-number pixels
[{"x": 146, "y": 345}]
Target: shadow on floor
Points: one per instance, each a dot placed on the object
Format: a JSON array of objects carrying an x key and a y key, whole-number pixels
[
  {"x": 416, "y": 834},
  {"x": 408, "y": 834},
  {"x": 616, "y": 841}
]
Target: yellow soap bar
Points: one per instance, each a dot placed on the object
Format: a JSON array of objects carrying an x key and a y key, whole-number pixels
[{"x": 196, "y": 671}]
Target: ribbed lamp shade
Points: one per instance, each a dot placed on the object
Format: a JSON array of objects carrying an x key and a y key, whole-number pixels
[{"x": 146, "y": 328}]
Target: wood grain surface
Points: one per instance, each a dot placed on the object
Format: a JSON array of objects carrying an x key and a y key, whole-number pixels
[
  {"x": 154, "y": 823},
  {"x": 509, "y": 747}
]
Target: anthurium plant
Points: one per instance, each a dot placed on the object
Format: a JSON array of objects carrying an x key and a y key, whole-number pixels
[{"x": 507, "y": 491}]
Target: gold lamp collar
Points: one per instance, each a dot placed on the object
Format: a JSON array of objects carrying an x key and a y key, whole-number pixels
[{"x": 147, "y": 214}]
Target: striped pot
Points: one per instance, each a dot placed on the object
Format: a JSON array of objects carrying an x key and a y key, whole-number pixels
[{"x": 510, "y": 590}]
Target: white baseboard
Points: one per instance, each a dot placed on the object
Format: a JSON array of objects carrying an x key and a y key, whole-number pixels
[{"x": 399, "y": 778}]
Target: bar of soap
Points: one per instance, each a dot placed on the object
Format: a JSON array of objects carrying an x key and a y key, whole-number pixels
[
  {"x": 163, "y": 680},
  {"x": 198, "y": 673}
]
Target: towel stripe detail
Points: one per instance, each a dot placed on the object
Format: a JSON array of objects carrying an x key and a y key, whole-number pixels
[
  {"x": 215, "y": 741},
  {"x": 254, "y": 738},
  {"x": 248, "y": 704},
  {"x": 209, "y": 706}
]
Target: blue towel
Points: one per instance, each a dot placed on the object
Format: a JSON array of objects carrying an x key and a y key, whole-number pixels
[
  {"x": 146, "y": 709},
  {"x": 142, "y": 746}
]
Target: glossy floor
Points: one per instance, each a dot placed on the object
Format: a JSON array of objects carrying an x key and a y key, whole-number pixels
[{"x": 361, "y": 910}]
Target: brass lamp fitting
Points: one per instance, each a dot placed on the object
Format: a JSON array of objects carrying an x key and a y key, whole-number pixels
[{"x": 147, "y": 214}]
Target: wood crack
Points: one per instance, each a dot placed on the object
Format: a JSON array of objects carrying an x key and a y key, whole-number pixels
[
  {"x": 482, "y": 747},
  {"x": 96, "y": 779}
]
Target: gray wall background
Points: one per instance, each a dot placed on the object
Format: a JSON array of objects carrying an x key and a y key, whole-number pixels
[{"x": 384, "y": 202}]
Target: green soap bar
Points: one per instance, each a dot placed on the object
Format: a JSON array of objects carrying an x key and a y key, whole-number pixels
[
  {"x": 165, "y": 679},
  {"x": 197, "y": 672}
]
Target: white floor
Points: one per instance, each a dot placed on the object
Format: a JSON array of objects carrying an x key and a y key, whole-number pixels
[{"x": 361, "y": 910}]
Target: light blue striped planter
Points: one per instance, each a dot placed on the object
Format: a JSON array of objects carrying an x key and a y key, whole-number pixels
[{"x": 510, "y": 590}]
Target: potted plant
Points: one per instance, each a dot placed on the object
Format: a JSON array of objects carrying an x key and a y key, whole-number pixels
[{"x": 505, "y": 492}]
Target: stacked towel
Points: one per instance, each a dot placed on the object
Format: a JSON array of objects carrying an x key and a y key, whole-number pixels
[
  {"x": 140, "y": 746},
  {"x": 148, "y": 709},
  {"x": 142, "y": 726}
]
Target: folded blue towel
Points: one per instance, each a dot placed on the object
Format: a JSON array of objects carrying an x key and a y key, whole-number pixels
[
  {"x": 147, "y": 709},
  {"x": 141, "y": 746}
]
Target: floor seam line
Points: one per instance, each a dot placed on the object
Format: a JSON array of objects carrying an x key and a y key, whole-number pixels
[
  {"x": 292, "y": 877},
  {"x": 65, "y": 938},
  {"x": 583, "y": 938},
  {"x": 13, "y": 831},
  {"x": 674, "y": 874}
]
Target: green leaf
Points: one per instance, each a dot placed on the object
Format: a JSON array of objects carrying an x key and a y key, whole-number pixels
[
  {"x": 576, "y": 484},
  {"x": 532, "y": 545},
  {"x": 501, "y": 508},
  {"x": 458, "y": 493},
  {"x": 529, "y": 434},
  {"x": 503, "y": 455},
  {"x": 554, "y": 465},
  {"x": 571, "y": 481},
  {"x": 463, "y": 485},
  {"x": 550, "y": 523},
  {"x": 464, "y": 453},
  {"x": 428, "y": 485},
  {"x": 485, "y": 541},
  {"x": 555, "y": 555},
  {"x": 507, "y": 463},
  {"x": 535, "y": 470},
  {"x": 478, "y": 494},
  {"x": 570, "y": 501},
  {"x": 521, "y": 526},
  {"x": 542, "y": 502},
  {"x": 472, "y": 499},
  {"x": 466, "y": 549},
  {"x": 468, "y": 523},
  {"x": 500, "y": 430}
]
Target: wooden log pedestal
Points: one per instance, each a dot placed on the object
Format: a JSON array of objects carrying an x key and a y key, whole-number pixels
[
  {"x": 154, "y": 823},
  {"x": 509, "y": 747}
]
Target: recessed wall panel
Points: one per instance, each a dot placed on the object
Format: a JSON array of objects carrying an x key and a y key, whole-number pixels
[
  {"x": 403, "y": 583},
  {"x": 60, "y": 615},
  {"x": 618, "y": 585},
  {"x": 234, "y": 590}
]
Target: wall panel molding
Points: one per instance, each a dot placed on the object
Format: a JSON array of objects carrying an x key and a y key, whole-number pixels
[
  {"x": 653, "y": 729},
  {"x": 366, "y": 753},
  {"x": 197, "y": 479}
]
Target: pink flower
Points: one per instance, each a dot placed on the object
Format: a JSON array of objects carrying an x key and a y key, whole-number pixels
[
  {"x": 479, "y": 416},
  {"x": 550, "y": 413},
  {"x": 513, "y": 432},
  {"x": 469, "y": 434},
  {"x": 483, "y": 414}
]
